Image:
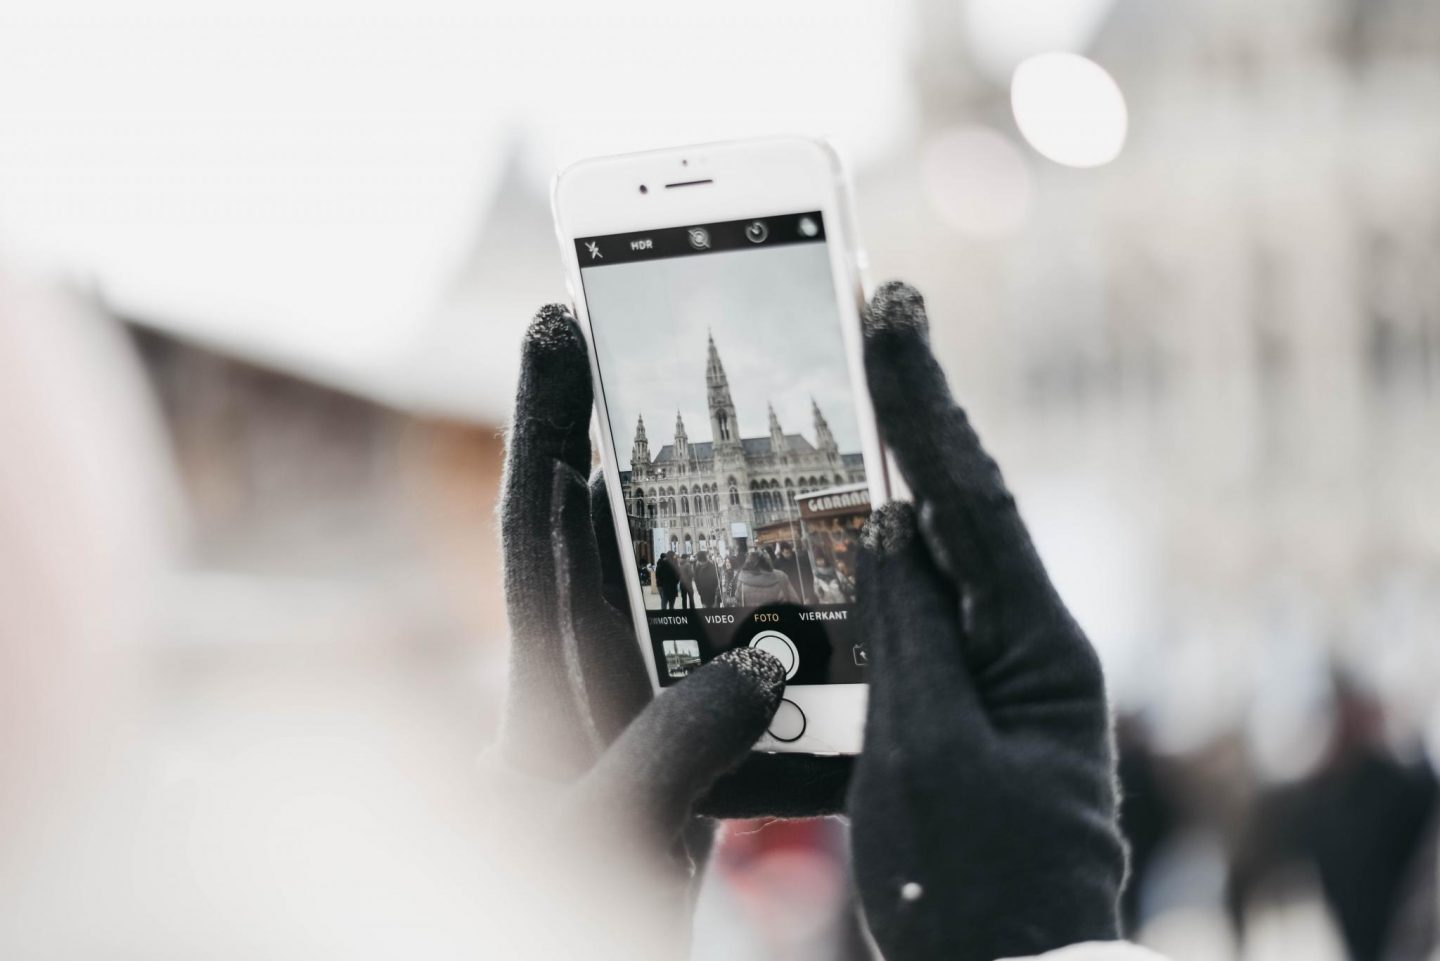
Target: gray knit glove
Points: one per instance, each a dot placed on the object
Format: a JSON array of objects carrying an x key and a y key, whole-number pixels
[{"x": 984, "y": 806}]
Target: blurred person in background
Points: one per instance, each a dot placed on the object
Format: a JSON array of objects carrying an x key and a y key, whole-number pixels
[
  {"x": 1364, "y": 822},
  {"x": 827, "y": 585},
  {"x": 1354, "y": 834},
  {"x": 844, "y": 580},
  {"x": 730, "y": 582},
  {"x": 667, "y": 577},
  {"x": 760, "y": 583},
  {"x": 707, "y": 579},
  {"x": 687, "y": 582},
  {"x": 797, "y": 568},
  {"x": 1150, "y": 816}
]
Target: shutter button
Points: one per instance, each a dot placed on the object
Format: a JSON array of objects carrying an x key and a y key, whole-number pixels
[{"x": 783, "y": 649}]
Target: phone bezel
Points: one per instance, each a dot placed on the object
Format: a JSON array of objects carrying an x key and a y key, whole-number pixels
[{"x": 747, "y": 178}]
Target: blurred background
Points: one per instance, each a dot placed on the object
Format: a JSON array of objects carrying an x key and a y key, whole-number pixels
[{"x": 263, "y": 273}]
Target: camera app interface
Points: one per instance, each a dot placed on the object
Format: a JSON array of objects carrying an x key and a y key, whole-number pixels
[{"x": 726, "y": 391}]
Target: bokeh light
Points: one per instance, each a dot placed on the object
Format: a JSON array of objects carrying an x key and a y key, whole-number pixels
[
  {"x": 977, "y": 180},
  {"x": 1069, "y": 109}
]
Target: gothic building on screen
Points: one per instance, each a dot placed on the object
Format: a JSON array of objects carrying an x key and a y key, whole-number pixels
[{"x": 697, "y": 490}]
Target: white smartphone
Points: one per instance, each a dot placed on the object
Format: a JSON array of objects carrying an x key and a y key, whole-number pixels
[{"x": 719, "y": 289}]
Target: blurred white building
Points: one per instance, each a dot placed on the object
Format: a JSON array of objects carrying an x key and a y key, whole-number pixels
[{"x": 1212, "y": 367}]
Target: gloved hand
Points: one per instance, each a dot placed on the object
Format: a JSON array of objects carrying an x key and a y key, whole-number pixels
[
  {"x": 627, "y": 773},
  {"x": 568, "y": 606},
  {"x": 984, "y": 808}
]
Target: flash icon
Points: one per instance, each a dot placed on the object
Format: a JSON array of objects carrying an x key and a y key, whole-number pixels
[{"x": 594, "y": 247}]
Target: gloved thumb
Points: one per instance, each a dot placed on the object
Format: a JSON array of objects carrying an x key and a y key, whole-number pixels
[
  {"x": 645, "y": 785},
  {"x": 626, "y": 891}
]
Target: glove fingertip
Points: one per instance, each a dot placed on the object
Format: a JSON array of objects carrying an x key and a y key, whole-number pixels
[
  {"x": 761, "y": 672},
  {"x": 552, "y": 400},
  {"x": 897, "y": 307},
  {"x": 555, "y": 371},
  {"x": 890, "y": 529},
  {"x": 552, "y": 328}
]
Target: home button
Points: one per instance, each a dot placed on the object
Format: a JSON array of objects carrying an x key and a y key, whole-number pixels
[{"x": 788, "y": 724}]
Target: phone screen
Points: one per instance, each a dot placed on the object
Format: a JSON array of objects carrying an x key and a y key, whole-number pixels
[{"x": 725, "y": 388}]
